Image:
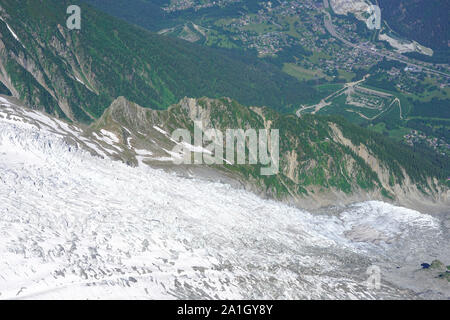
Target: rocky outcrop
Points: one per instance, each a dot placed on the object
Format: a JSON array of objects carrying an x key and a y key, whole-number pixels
[{"x": 319, "y": 165}]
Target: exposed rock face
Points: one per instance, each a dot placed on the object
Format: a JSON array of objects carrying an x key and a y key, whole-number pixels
[
  {"x": 345, "y": 7},
  {"x": 313, "y": 154},
  {"x": 44, "y": 75},
  {"x": 79, "y": 227},
  {"x": 406, "y": 193}
]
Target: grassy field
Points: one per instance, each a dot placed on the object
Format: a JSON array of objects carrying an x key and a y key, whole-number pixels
[
  {"x": 303, "y": 74},
  {"x": 317, "y": 56},
  {"x": 433, "y": 91},
  {"x": 261, "y": 28},
  {"x": 348, "y": 76}
]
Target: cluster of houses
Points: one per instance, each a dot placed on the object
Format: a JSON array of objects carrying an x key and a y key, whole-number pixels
[{"x": 437, "y": 144}]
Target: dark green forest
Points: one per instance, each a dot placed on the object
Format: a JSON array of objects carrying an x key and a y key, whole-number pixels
[{"x": 119, "y": 59}]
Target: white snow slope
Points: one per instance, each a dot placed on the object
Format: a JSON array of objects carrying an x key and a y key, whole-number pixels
[{"x": 75, "y": 226}]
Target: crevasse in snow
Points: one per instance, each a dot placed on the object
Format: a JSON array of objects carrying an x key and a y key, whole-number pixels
[{"x": 77, "y": 226}]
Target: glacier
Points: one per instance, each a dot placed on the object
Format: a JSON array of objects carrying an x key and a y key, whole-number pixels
[{"x": 78, "y": 225}]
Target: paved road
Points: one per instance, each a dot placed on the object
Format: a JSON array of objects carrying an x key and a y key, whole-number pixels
[
  {"x": 332, "y": 30},
  {"x": 323, "y": 103}
]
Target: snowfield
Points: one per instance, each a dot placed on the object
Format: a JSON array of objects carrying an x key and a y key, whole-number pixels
[{"x": 75, "y": 226}]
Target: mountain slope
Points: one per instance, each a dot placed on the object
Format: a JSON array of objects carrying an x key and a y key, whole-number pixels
[
  {"x": 76, "y": 226},
  {"x": 319, "y": 156},
  {"x": 323, "y": 160},
  {"x": 424, "y": 21},
  {"x": 77, "y": 74},
  {"x": 145, "y": 13}
]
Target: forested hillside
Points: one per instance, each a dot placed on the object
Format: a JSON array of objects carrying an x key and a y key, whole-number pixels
[
  {"x": 318, "y": 154},
  {"x": 425, "y": 21},
  {"x": 78, "y": 73},
  {"x": 145, "y": 13}
]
